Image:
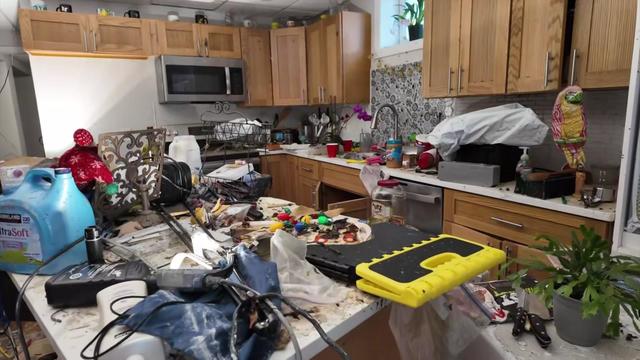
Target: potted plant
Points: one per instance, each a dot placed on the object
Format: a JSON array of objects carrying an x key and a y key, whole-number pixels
[
  {"x": 587, "y": 286},
  {"x": 413, "y": 16}
]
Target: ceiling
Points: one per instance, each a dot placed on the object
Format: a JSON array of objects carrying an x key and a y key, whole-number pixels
[{"x": 263, "y": 8}]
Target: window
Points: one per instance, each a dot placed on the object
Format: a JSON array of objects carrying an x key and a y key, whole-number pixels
[{"x": 392, "y": 36}]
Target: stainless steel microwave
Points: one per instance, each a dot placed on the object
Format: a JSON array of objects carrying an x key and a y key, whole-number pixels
[{"x": 183, "y": 79}]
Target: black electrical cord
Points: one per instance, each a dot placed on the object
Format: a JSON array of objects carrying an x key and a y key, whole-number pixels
[
  {"x": 123, "y": 298},
  {"x": 23, "y": 289},
  {"x": 7, "y": 332},
  {"x": 4, "y": 83},
  {"x": 343, "y": 354}
]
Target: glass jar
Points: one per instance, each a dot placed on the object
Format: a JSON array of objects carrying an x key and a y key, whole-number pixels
[{"x": 388, "y": 202}]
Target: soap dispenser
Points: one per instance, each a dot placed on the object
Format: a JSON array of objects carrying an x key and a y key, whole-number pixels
[{"x": 523, "y": 169}]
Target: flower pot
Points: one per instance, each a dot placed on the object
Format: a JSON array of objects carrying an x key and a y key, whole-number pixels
[
  {"x": 416, "y": 32},
  {"x": 570, "y": 325}
]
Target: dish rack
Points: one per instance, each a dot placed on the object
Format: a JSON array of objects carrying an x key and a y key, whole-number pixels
[
  {"x": 240, "y": 133},
  {"x": 233, "y": 136}
]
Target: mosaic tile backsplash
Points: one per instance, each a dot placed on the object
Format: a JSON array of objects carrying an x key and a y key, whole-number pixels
[{"x": 401, "y": 86}]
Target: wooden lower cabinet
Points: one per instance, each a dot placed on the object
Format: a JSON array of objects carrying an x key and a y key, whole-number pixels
[
  {"x": 308, "y": 191},
  {"x": 371, "y": 340},
  {"x": 476, "y": 236}
]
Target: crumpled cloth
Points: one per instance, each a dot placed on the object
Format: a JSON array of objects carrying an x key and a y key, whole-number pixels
[{"x": 200, "y": 328}]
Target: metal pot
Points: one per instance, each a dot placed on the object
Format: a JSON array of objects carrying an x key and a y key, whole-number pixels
[{"x": 570, "y": 325}]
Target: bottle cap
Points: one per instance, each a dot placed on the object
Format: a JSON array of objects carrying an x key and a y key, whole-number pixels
[
  {"x": 91, "y": 233},
  {"x": 59, "y": 171},
  {"x": 389, "y": 183}
]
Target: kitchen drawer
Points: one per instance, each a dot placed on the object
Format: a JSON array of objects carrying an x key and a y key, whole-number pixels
[
  {"x": 514, "y": 222},
  {"x": 309, "y": 169},
  {"x": 343, "y": 178},
  {"x": 357, "y": 208}
]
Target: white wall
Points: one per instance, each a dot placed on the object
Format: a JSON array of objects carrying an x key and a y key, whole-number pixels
[
  {"x": 11, "y": 137},
  {"x": 104, "y": 95},
  {"x": 29, "y": 115}
]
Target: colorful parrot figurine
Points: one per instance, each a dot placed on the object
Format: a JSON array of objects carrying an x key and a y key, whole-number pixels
[{"x": 569, "y": 125}]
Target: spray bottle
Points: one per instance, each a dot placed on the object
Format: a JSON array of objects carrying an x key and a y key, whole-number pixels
[{"x": 523, "y": 169}]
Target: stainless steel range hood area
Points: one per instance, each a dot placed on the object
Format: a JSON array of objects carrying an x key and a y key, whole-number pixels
[{"x": 185, "y": 79}]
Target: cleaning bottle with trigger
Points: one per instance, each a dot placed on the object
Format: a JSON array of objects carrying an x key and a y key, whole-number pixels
[
  {"x": 523, "y": 169},
  {"x": 43, "y": 215}
]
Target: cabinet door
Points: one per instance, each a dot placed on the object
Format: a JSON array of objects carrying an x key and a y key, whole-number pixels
[
  {"x": 332, "y": 39},
  {"x": 275, "y": 165},
  {"x": 119, "y": 35},
  {"x": 440, "y": 48},
  {"x": 220, "y": 41},
  {"x": 289, "y": 66},
  {"x": 355, "y": 36},
  {"x": 177, "y": 38},
  {"x": 536, "y": 45},
  {"x": 484, "y": 46},
  {"x": 256, "y": 53},
  {"x": 308, "y": 192},
  {"x": 357, "y": 208},
  {"x": 292, "y": 186},
  {"x": 522, "y": 252},
  {"x": 603, "y": 32},
  {"x": 47, "y": 30},
  {"x": 316, "y": 62}
]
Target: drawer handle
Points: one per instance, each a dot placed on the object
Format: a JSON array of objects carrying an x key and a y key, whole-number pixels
[
  {"x": 519, "y": 226},
  {"x": 307, "y": 169}
]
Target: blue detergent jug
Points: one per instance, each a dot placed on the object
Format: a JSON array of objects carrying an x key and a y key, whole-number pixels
[{"x": 42, "y": 216}]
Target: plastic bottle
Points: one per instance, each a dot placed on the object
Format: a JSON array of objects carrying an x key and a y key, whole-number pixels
[
  {"x": 185, "y": 148},
  {"x": 388, "y": 202},
  {"x": 42, "y": 216},
  {"x": 523, "y": 169}
]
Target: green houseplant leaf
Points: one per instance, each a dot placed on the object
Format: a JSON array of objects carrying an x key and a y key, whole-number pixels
[{"x": 588, "y": 272}]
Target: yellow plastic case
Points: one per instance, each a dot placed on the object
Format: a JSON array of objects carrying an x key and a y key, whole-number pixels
[{"x": 426, "y": 270}]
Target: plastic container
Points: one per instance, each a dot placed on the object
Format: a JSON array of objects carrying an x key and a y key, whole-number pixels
[
  {"x": 11, "y": 177},
  {"x": 185, "y": 148},
  {"x": 388, "y": 202},
  {"x": 42, "y": 216}
]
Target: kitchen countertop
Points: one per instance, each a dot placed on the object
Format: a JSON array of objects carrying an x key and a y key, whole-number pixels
[{"x": 604, "y": 212}]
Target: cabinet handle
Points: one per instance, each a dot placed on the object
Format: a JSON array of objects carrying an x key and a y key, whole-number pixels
[
  {"x": 319, "y": 93},
  {"x": 206, "y": 47},
  {"x": 449, "y": 82},
  {"x": 459, "y": 78},
  {"x": 198, "y": 49},
  {"x": 95, "y": 41},
  {"x": 546, "y": 69},
  {"x": 507, "y": 222},
  {"x": 304, "y": 95},
  {"x": 84, "y": 41},
  {"x": 572, "y": 77},
  {"x": 227, "y": 74},
  {"x": 307, "y": 169},
  {"x": 508, "y": 251}
]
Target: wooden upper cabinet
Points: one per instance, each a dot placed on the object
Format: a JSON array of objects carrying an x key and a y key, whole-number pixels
[
  {"x": 316, "y": 66},
  {"x": 440, "y": 48},
  {"x": 602, "y": 46},
  {"x": 536, "y": 45},
  {"x": 113, "y": 35},
  {"x": 46, "y": 30},
  {"x": 256, "y": 53},
  {"x": 484, "y": 46},
  {"x": 332, "y": 46},
  {"x": 289, "y": 66},
  {"x": 220, "y": 41},
  {"x": 178, "y": 38}
]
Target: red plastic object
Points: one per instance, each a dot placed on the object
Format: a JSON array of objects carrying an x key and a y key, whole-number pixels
[
  {"x": 389, "y": 183},
  {"x": 374, "y": 160},
  {"x": 347, "y": 145},
  {"x": 283, "y": 217},
  {"x": 332, "y": 150},
  {"x": 428, "y": 159}
]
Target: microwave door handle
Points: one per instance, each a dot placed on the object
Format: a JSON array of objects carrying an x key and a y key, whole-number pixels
[
  {"x": 430, "y": 199},
  {"x": 227, "y": 74}
]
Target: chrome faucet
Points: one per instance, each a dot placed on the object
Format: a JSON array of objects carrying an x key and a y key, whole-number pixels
[{"x": 374, "y": 122}]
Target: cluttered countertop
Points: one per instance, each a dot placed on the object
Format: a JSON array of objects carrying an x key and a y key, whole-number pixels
[{"x": 604, "y": 212}]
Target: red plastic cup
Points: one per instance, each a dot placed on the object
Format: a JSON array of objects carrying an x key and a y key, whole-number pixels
[
  {"x": 332, "y": 150},
  {"x": 347, "y": 145}
]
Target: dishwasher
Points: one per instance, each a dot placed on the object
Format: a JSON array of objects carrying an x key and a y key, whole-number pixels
[{"x": 423, "y": 206}]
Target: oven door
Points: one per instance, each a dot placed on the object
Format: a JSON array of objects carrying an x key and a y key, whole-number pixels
[{"x": 195, "y": 79}]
